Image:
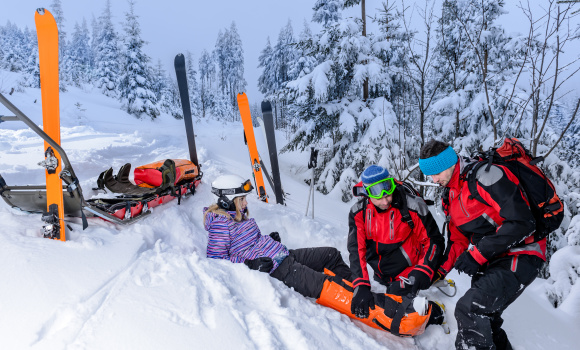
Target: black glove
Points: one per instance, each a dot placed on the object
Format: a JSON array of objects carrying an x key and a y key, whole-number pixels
[
  {"x": 420, "y": 281},
  {"x": 275, "y": 236},
  {"x": 362, "y": 301},
  {"x": 263, "y": 264},
  {"x": 438, "y": 276},
  {"x": 466, "y": 263}
]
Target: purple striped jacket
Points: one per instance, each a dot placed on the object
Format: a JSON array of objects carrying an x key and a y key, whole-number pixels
[{"x": 239, "y": 241}]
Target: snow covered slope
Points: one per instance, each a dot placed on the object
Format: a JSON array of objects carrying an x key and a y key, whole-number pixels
[{"x": 149, "y": 285}]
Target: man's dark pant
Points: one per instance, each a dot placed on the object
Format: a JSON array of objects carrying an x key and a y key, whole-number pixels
[
  {"x": 303, "y": 269},
  {"x": 493, "y": 289}
]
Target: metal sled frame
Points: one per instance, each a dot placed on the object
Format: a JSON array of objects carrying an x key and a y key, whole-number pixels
[{"x": 33, "y": 198}]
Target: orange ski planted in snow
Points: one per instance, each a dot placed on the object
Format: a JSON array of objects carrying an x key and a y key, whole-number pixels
[
  {"x": 47, "y": 32},
  {"x": 244, "y": 107}
]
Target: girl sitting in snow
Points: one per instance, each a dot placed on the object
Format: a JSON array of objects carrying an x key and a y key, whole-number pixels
[{"x": 318, "y": 273}]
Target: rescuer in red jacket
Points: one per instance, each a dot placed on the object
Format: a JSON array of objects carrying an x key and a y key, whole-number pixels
[
  {"x": 392, "y": 230},
  {"x": 504, "y": 257}
]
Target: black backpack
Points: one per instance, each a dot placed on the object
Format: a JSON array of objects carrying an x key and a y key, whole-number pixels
[{"x": 544, "y": 202}]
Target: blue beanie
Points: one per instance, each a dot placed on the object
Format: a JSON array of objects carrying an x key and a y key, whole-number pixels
[
  {"x": 373, "y": 174},
  {"x": 441, "y": 162}
]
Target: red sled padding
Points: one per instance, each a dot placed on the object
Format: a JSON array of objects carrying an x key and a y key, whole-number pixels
[
  {"x": 149, "y": 175},
  {"x": 137, "y": 208}
]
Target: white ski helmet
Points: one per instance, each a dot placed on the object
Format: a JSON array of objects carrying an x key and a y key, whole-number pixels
[{"x": 228, "y": 187}]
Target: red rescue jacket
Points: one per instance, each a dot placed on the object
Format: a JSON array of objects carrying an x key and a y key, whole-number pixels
[
  {"x": 505, "y": 227},
  {"x": 387, "y": 242}
]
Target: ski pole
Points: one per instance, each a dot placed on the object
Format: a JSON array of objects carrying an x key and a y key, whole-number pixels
[
  {"x": 312, "y": 187},
  {"x": 311, "y": 165},
  {"x": 308, "y": 202}
]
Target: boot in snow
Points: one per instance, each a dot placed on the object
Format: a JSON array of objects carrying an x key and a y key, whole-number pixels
[{"x": 438, "y": 315}]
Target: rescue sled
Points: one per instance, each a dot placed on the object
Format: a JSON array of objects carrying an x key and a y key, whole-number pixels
[{"x": 159, "y": 183}]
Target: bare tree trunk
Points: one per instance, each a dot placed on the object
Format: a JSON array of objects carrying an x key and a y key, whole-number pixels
[
  {"x": 536, "y": 138},
  {"x": 419, "y": 73},
  {"x": 281, "y": 121},
  {"x": 364, "y": 33},
  {"x": 482, "y": 61},
  {"x": 456, "y": 124},
  {"x": 453, "y": 63}
]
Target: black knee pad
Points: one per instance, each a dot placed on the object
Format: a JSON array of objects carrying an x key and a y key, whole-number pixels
[
  {"x": 334, "y": 253},
  {"x": 463, "y": 307},
  {"x": 478, "y": 302}
]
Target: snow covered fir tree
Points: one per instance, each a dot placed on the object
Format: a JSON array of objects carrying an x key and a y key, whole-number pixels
[
  {"x": 135, "y": 83},
  {"x": 362, "y": 82},
  {"x": 106, "y": 53}
]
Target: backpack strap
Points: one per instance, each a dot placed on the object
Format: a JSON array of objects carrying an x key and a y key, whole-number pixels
[
  {"x": 489, "y": 162},
  {"x": 400, "y": 313},
  {"x": 445, "y": 198},
  {"x": 471, "y": 178},
  {"x": 401, "y": 191},
  {"x": 168, "y": 175},
  {"x": 405, "y": 214}
]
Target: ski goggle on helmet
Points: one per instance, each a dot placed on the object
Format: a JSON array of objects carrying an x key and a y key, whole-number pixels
[
  {"x": 384, "y": 187},
  {"x": 231, "y": 186}
]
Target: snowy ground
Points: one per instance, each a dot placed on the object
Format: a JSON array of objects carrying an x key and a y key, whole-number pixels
[{"x": 149, "y": 285}]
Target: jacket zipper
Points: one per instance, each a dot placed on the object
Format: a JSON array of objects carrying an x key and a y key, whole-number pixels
[
  {"x": 462, "y": 208},
  {"x": 392, "y": 226},
  {"x": 369, "y": 223}
]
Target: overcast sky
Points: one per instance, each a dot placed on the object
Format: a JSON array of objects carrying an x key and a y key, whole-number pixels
[{"x": 174, "y": 26}]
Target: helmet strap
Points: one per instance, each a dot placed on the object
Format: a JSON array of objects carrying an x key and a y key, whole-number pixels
[{"x": 226, "y": 204}]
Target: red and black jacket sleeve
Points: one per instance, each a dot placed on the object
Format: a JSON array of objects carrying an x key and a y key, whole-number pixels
[
  {"x": 430, "y": 240},
  {"x": 357, "y": 247},
  {"x": 499, "y": 189},
  {"x": 457, "y": 243}
]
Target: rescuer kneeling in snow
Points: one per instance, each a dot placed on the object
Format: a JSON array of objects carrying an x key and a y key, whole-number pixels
[
  {"x": 392, "y": 230},
  {"x": 318, "y": 273}
]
